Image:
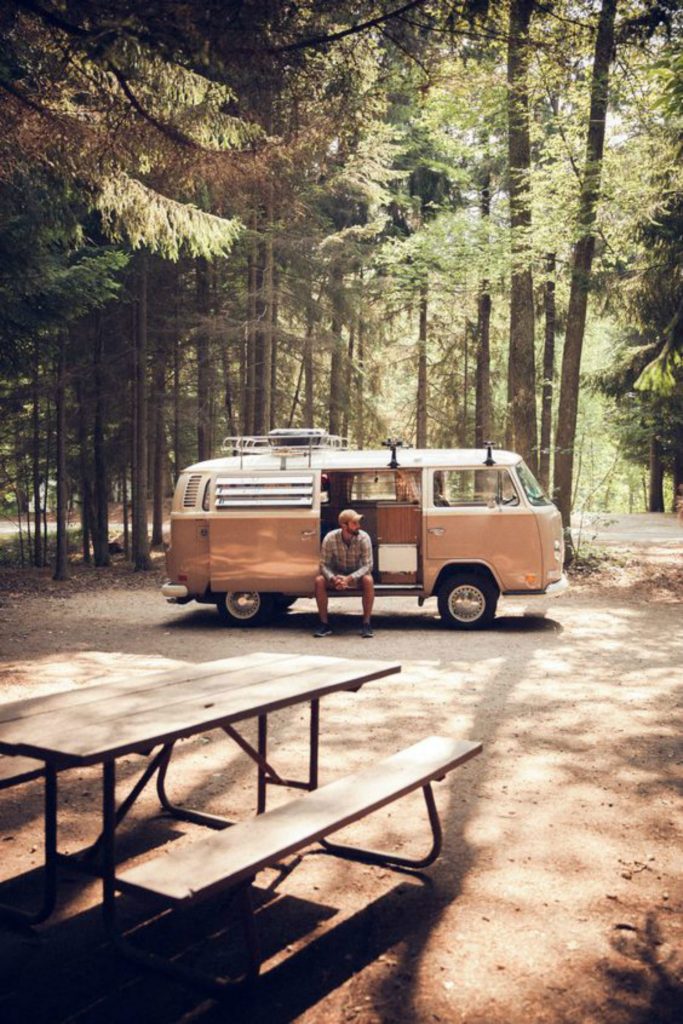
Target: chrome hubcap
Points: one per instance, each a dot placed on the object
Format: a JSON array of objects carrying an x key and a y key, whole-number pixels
[
  {"x": 466, "y": 603},
  {"x": 243, "y": 604}
]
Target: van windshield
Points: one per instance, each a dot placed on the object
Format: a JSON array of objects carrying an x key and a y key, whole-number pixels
[{"x": 532, "y": 488}]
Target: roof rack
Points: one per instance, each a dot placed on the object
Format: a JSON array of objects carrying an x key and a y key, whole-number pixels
[{"x": 286, "y": 441}]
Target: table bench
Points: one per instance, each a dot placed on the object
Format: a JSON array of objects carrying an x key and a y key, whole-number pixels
[{"x": 229, "y": 860}]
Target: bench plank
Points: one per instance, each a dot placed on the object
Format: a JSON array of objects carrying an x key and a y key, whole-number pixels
[{"x": 226, "y": 858}]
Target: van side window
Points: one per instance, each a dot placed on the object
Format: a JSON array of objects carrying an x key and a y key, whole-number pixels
[
  {"x": 473, "y": 488},
  {"x": 373, "y": 487},
  {"x": 403, "y": 486}
]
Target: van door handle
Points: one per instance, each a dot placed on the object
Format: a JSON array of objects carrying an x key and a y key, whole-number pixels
[
  {"x": 436, "y": 530},
  {"x": 307, "y": 533}
]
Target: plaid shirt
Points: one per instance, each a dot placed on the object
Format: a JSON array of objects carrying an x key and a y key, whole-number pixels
[{"x": 337, "y": 558}]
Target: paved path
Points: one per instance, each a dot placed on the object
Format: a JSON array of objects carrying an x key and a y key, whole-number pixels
[{"x": 663, "y": 529}]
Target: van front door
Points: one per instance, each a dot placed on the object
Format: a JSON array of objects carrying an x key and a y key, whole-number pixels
[{"x": 477, "y": 515}]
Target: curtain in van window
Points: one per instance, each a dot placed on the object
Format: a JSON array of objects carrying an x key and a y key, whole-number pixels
[{"x": 408, "y": 486}]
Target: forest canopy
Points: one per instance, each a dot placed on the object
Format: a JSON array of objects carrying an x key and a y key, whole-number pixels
[{"x": 453, "y": 222}]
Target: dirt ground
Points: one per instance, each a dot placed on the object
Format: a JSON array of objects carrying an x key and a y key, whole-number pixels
[{"x": 558, "y": 897}]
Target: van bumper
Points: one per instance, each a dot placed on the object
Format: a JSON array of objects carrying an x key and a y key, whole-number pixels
[
  {"x": 559, "y": 587},
  {"x": 552, "y": 590},
  {"x": 537, "y": 602},
  {"x": 175, "y": 591}
]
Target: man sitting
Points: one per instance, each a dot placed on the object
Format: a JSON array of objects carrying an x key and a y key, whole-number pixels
[{"x": 345, "y": 564}]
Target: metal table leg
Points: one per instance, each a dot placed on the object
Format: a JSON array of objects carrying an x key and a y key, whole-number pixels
[
  {"x": 380, "y": 857},
  {"x": 17, "y": 915}
]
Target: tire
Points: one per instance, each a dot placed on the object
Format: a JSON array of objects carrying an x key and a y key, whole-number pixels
[
  {"x": 467, "y": 601},
  {"x": 245, "y": 607}
]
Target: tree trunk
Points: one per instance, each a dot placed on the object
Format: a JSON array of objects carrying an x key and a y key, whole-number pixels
[
  {"x": 421, "y": 413},
  {"x": 140, "y": 538},
  {"x": 656, "y": 489},
  {"x": 348, "y": 380},
  {"x": 61, "y": 571},
  {"x": 269, "y": 313},
  {"x": 336, "y": 379},
  {"x": 522, "y": 424},
  {"x": 678, "y": 475},
  {"x": 308, "y": 368},
  {"x": 47, "y": 466},
  {"x": 548, "y": 373},
  {"x": 360, "y": 376},
  {"x": 465, "y": 432},
  {"x": 86, "y": 487},
  {"x": 337, "y": 397},
  {"x": 312, "y": 309},
  {"x": 262, "y": 343},
  {"x": 249, "y": 399},
  {"x": 101, "y": 488},
  {"x": 582, "y": 262},
  {"x": 228, "y": 401},
  {"x": 158, "y": 475},
  {"x": 482, "y": 386},
  {"x": 203, "y": 362},
  {"x": 124, "y": 514},
  {"x": 275, "y": 411},
  {"x": 295, "y": 398},
  {"x": 482, "y": 418},
  {"x": 38, "y": 550},
  {"x": 177, "y": 464}
]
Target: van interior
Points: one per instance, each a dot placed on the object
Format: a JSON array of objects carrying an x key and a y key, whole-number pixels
[{"x": 390, "y": 502}]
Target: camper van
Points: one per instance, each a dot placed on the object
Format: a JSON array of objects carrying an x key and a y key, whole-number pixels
[{"x": 462, "y": 526}]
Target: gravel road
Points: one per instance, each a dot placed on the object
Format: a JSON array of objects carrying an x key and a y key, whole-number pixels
[{"x": 558, "y": 897}]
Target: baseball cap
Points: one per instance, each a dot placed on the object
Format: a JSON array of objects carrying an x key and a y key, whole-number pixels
[{"x": 349, "y": 516}]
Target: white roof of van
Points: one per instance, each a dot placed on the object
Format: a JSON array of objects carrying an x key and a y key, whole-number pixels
[{"x": 341, "y": 458}]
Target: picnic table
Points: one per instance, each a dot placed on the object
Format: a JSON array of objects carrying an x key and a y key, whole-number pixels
[{"x": 99, "y": 724}]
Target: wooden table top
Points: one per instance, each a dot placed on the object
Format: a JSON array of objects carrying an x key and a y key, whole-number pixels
[{"x": 105, "y": 720}]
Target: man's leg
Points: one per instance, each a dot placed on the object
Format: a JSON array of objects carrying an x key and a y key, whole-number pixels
[
  {"x": 321, "y": 600},
  {"x": 368, "y": 586},
  {"x": 321, "y": 596}
]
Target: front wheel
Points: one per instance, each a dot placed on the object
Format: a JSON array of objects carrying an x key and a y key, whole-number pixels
[
  {"x": 467, "y": 602},
  {"x": 245, "y": 607}
]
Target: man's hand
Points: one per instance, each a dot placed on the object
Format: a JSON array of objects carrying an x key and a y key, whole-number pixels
[{"x": 341, "y": 582}]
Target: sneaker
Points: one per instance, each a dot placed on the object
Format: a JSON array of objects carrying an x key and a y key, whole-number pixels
[
  {"x": 324, "y": 629},
  {"x": 366, "y": 631}
]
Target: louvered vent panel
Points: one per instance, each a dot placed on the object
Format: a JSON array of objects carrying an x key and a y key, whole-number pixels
[
  {"x": 260, "y": 492},
  {"x": 191, "y": 491}
]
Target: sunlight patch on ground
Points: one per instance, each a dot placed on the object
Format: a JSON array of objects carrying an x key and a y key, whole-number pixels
[{"x": 66, "y": 671}]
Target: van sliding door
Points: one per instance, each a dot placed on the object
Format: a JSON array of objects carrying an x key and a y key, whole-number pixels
[{"x": 264, "y": 532}]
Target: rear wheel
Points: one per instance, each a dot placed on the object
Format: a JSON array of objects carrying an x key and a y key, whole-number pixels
[
  {"x": 467, "y": 601},
  {"x": 245, "y": 607}
]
